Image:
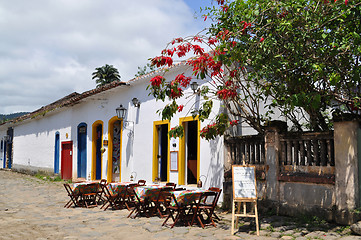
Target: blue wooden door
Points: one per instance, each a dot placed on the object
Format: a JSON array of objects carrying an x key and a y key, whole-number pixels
[
  {"x": 82, "y": 148},
  {"x": 56, "y": 153},
  {"x": 4, "y": 161}
]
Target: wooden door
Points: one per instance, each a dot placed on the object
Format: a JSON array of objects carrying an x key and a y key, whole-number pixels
[{"x": 66, "y": 160}]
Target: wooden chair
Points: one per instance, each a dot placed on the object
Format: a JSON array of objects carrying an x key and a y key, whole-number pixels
[
  {"x": 202, "y": 207},
  {"x": 170, "y": 184},
  {"x": 141, "y": 182},
  {"x": 89, "y": 194},
  {"x": 111, "y": 198},
  {"x": 176, "y": 208},
  {"x": 73, "y": 197},
  {"x": 162, "y": 201},
  {"x": 100, "y": 196},
  {"x": 141, "y": 206},
  {"x": 129, "y": 198},
  {"x": 207, "y": 205},
  {"x": 218, "y": 191}
]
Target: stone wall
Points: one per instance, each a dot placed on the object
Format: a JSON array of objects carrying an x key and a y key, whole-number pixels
[{"x": 331, "y": 192}]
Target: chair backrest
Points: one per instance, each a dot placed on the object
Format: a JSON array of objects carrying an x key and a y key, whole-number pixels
[
  {"x": 170, "y": 184},
  {"x": 108, "y": 189},
  {"x": 141, "y": 182},
  {"x": 68, "y": 189},
  {"x": 103, "y": 182},
  {"x": 216, "y": 190},
  {"x": 162, "y": 191}
]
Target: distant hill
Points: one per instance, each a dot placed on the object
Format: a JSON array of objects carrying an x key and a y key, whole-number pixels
[{"x": 6, "y": 117}]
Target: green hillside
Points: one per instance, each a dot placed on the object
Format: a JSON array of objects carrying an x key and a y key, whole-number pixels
[{"x": 6, "y": 117}]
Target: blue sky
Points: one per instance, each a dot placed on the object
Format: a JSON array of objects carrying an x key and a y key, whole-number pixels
[{"x": 48, "y": 49}]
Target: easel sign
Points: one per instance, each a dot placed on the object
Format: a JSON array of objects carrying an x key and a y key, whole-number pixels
[{"x": 244, "y": 190}]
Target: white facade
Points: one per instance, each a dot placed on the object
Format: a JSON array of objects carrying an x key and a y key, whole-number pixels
[{"x": 34, "y": 139}]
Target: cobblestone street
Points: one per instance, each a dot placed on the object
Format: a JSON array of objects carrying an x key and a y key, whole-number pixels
[{"x": 31, "y": 208}]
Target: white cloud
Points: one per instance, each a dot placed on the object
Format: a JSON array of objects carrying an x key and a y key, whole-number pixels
[{"x": 49, "y": 48}]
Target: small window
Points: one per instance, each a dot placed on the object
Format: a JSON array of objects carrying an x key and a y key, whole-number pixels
[{"x": 82, "y": 129}]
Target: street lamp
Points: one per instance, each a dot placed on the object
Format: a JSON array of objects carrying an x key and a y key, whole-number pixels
[
  {"x": 194, "y": 87},
  {"x": 121, "y": 111}
]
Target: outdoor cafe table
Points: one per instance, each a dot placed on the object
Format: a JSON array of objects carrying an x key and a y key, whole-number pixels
[
  {"x": 85, "y": 187},
  {"x": 87, "y": 192},
  {"x": 187, "y": 197},
  {"x": 119, "y": 187},
  {"x": 148, "y": 192}
]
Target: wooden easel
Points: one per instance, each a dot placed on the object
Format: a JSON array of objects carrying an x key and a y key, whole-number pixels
[{"x": 244, "y": 191}]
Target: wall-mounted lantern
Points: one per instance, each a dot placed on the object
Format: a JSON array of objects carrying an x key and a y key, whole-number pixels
[
  {"x": 121, "y": 111},
  {"x": 194, "y": 87},
  {"x": 136, "y": 102}
]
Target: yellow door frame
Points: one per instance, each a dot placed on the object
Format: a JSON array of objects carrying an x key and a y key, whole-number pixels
[
  {"x": 94, "y": 144},
  {"x": 182, "y": 162},
  {"x": 110, "y": 148},
  {"x": 156, "y": 148}
]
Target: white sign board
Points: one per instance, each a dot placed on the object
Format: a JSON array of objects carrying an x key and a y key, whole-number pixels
[
  {"x": 244, "y": 182},
  {"x": 174, "y": 161}
]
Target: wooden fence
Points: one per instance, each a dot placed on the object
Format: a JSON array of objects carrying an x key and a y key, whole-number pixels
[
  {"x": 307, "y": 149},
  {"x": 247, "y": 149}
]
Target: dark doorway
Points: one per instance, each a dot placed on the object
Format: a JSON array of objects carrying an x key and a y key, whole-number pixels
[
  {"x": 99, "y": 137},
  {"x": 82, "y": 149},
  {"x": 163, "y": 152},
  {"x": 192, "y": 151}
]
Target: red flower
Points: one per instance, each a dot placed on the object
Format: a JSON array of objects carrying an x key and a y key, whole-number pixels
[
  {"x": 198, "y": 50},
  {"x": 157, "y": 81},
  {"x": 233, "y": 123},
  {"x": 212, "y": 41},
  {"x": 205, "y": 17},
  {"x": 184, "y": 81},
  {"x": 262, "y": 39},
  {"x": 225, "y": 8},
  {"x": 346, "y": 1},
  {"x": 162, "y": 60},
  {"x": 180, "y": 108}
]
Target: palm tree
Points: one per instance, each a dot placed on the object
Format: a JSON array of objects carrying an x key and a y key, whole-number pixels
[{"x": 105, "y": 74}]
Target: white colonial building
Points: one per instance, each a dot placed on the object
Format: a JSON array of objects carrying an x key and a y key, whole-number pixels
[{"x": 80, "y": 136}]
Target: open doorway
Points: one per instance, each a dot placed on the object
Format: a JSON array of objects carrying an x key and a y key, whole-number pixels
[
  {"x": 191, "y": 151},
  {"x": 161, "y": 151},
  {"x": 97, "y": 144},
  {"x": 116, "y": 143}
]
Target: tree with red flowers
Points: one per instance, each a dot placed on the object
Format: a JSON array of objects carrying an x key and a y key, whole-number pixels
[{"x": 302, "y": 57}]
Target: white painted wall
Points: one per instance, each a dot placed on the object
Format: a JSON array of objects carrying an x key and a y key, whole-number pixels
[{"x": 34, "y": 139}]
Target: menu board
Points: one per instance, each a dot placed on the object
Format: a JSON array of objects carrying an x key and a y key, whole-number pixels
[
  {"x": 174, "y": 161},
  {"x": 244, "y": 182}
]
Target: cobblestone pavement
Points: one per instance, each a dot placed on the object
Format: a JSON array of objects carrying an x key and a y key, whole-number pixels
[{"x": 31, "y": 208}]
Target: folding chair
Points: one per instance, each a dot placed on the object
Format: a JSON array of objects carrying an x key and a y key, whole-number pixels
[
  {"x": 199, "y": 207},
  {"x": 141, "y": 206},
  {"x": 218, "y": 191},
  {"x": 129, "y": 198},
  {"x": 73, "y": 197},
  {"x": 88, "y": 194},
  {"x": 161, "y": 203},
  {"x": 100, "y": 197},
  {"x": 170, "y": 184},
  {"x": 141, "y": 182},
  {"x": 111, "y": 198},
  {"x": 207, "y": 204},
  {"x": 176, "y": 208}
]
